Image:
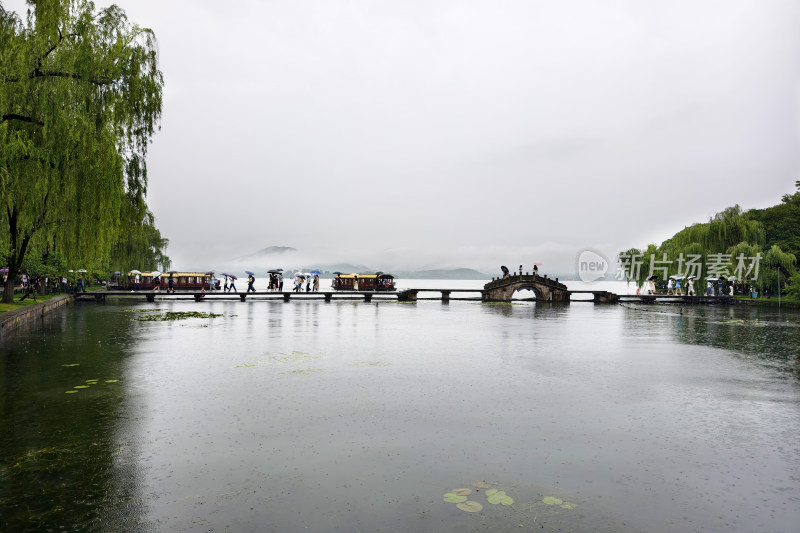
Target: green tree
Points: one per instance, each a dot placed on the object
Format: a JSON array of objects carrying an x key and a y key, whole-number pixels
[
  {"x": 80, "y": 98},
  {"x": 782, "y": 222},
  {"x": 778, "y": 268}
]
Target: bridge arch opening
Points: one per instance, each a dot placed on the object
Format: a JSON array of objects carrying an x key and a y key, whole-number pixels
[{"x": 527, "y": 292}]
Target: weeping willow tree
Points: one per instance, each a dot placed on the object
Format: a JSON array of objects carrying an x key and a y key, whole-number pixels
[
  {"x": 80, "y": 98},
  {"x": 141, "y": 245},
  {"x": 692, "y": 251},
  {"x": 722, "y": 231},
  {"x": 777, "y": 270}
]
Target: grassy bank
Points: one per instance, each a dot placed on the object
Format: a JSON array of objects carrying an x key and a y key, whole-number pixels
[{"x": 4, "y": 308}]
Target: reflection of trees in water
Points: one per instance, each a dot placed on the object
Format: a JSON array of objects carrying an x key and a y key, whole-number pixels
[
  {"x": 59, "y": 466},
  {"x": 759, "y": 334}
]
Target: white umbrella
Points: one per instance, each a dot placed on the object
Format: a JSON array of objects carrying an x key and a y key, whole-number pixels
[
  {"x": 156, "y": 273},
  {"x": 135, "y": 271},
  {"x": 82, "y": 270}
]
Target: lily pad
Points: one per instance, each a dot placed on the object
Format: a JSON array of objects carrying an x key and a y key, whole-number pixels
[
  {"x": 470, "y": 506},
  {"x": 176, "y": 315},
  {"x": 462, "y": 492},
  {"x": 499, "y": 497},
  {"x": 71, "y": 391},
  {"x": 481, "y": 485},
  {"x": 452, "y": 497},
  {"x": 112, "y": 380},
  {"x": 72, "y": 364},
  {"x": 567, "y": 505},
  {"x": 81, "y": 386},
  {"x": 552, "y": 500}
]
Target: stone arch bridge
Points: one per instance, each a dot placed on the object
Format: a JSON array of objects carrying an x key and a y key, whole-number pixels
[{"x": 545, "y": 289}]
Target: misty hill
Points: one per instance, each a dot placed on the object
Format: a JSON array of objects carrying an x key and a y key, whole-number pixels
[
  {"x": 445, "y": 273},
  {"x": 269, "y": 251}
]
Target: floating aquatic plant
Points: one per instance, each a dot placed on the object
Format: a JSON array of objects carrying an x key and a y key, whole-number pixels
[
  {"x": 567, "y": 505},
  {"x": 552, "y": 500},
  {"x": 112, "y": 380},
  {"x": 72, "y": 364},
  {"x": 176, "y": 315},
  {"x": 81, "y": 387},
  {"x": 306, "y": 372},
  {"x": 482, "y": 485},
  {"x": 71, "y": 392},
  {"x": 499, "y": 497},
  {"x": 452, "y": 497},
  {"x": 370, "y": 364},
  {"x": 470, "y": 506},
  {"x": 462, "y": 492}
]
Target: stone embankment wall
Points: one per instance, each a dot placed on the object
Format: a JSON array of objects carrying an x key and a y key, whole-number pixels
[{"x": 11, "y": 320}]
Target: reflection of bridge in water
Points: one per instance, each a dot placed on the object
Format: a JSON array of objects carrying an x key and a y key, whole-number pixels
[{"x": 498, "y": 290}]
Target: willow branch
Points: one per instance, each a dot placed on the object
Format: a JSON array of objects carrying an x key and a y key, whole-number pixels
[{"x": 21, "y": 118}]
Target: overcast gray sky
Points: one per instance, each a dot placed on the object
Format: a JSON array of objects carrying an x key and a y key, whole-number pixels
[{"x": 459, "y": 133}]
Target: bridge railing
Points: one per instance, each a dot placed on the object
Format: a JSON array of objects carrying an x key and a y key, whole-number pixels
[{"x": 529, "y": 278}]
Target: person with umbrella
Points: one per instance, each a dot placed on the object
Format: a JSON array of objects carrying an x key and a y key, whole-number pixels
[
  {"x": 157, "y": 282},
  {"x": 232, "y": 285},
  {"x": 505, "y": 271},
  {"x": 250, "y": 280},
  {"x": 170, "y": 283},
  {"x": 298, "y": 282}
]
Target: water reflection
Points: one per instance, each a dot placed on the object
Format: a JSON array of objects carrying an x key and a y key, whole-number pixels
[
  {"x": 756, "y": 334},
  {"x": 360, "y": 416},
  {"x": 59, "y": 450}
]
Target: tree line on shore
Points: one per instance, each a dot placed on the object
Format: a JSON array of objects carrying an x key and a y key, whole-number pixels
[
  {"x": 771, "y": 234},
  {"x": 80, "y": 98}
]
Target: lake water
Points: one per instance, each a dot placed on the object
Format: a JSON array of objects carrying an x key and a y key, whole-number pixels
[{"x": 354, "y": 416}]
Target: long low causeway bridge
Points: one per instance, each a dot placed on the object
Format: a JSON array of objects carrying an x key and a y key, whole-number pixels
[{"x": 498, "y": 290}]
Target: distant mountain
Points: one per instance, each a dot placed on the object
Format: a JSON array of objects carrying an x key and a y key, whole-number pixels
[
  {"x": 346, "y": 268},
  {"x": 446, "y": 273},
  {"x": 269, "y": 251}
]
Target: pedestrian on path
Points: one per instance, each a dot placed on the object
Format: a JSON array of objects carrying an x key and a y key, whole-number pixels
[{"x": 250, "y": 281}]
